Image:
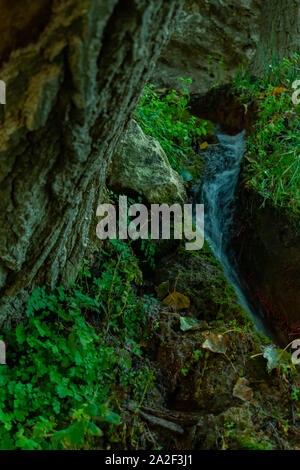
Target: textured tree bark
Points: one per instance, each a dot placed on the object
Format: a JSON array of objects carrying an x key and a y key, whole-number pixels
[
  {"x": 279, "y": 31},
  {"x": 74, "y": 71}
]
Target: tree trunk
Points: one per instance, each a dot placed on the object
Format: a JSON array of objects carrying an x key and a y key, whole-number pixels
[
  {"x": 74, "y": 71},
  {"x": 279, "y": 31}
]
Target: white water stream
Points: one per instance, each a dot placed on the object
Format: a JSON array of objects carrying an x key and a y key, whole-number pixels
[{"x": 217, "y": 195}]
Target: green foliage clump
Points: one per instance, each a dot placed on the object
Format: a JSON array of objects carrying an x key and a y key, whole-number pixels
[
  {"x": 147, "y": 248},
  {"x": 274, "y": 146},
  {"x": 70, "y": 364},
  {"x": 166, "y": 117}
]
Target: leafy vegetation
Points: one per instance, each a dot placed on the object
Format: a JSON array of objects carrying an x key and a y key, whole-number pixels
[
  {"x": 166, "y": 118},
  {"x": 146, "y": 247},
  {"x": 274, "y": 146},
  {"x": 70, "y": 365}
]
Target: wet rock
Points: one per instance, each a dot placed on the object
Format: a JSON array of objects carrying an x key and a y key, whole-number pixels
[{"x": 267, "y": 245}]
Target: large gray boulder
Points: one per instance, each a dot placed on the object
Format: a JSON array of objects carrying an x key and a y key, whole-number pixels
[{"x": 141, "y": 165}]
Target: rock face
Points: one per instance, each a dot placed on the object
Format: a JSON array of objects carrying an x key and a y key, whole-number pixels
[
  {"x": 268, "y": 250},
  {"x": 74, "y": 71},
  {"x": 139, "y": 164},
  {"x": 210, "y": 40},
  {"x": 213, "y": 37}
]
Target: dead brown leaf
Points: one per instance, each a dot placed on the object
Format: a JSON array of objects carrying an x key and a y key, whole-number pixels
[
  {"x": 242, "y": 391},
  {"x": 204, "y": 145},
  {"x": 215, "y": 343},
  {"x": 177, "y": 301}
]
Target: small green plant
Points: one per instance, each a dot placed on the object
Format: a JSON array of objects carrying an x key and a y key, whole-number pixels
[
  {"x": 295, "y": 394},
  {"x": 251, "y": 444},
  {"x": 184, "y": 372},
  {"x": 166, "y": 117},
  {"x": 149, "y": 252},
  {"x": 197, "y": 355},
  {"x": 228, "y": 433},
  {"x": 147, "y": 248},
  {"x": 70, "y": 364}
]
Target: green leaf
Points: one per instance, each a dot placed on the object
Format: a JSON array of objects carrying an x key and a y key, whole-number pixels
[
  {"x": 73, "y": 434},
  {"x": 276, "y": 357},
  {"x": 189, "y": 324}
]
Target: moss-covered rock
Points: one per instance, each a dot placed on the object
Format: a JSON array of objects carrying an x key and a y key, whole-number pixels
[
  {"x": 141, "y": 165},
  {"x": 233, "y": 429},
  {"x": 199, "y": 381},
  {"x": 198, "y": 275}
]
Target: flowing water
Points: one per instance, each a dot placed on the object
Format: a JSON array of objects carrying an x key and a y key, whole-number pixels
[{"x": 217, "y": 194}]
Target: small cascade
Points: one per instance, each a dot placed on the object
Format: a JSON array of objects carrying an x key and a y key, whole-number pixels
[{"x": 217, "y": 194}]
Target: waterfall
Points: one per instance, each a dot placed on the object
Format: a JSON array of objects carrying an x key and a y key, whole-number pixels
[{"x": 218, "y": 190}]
